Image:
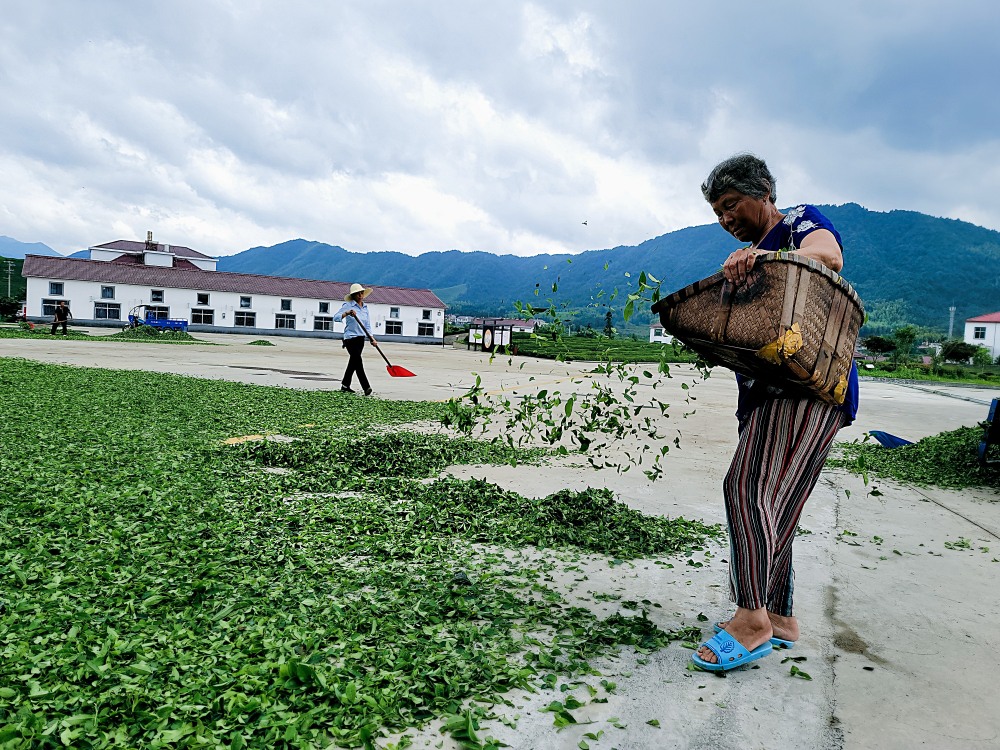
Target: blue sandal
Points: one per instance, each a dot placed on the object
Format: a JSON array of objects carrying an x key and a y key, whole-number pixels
[
  {"x": 775, "y": 642},
  {"x": 730, "y": 653}
]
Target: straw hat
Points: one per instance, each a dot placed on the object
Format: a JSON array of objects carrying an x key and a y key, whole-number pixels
[{"x": 355, "y": 288}]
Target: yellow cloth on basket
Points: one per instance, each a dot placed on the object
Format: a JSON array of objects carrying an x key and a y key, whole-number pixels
[{"x": 782, "y": 347}]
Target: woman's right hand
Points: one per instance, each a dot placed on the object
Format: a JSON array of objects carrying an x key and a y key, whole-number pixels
[{"x": 738, "y": 265}]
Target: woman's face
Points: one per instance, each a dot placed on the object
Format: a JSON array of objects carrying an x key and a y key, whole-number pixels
[{"x": 744, "y": 217}]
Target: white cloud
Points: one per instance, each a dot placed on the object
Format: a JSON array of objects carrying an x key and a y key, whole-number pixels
[{"x": 500, "y": 127}]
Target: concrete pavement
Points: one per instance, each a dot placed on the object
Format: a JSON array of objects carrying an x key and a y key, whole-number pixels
[{"x": 900, "y": 633}]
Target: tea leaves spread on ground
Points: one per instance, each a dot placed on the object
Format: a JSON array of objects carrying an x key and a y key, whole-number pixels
[
  {"x": 144, "y": 334},
  {"x": 159, "y": 588},
  {"x": 949, "y": 459}
]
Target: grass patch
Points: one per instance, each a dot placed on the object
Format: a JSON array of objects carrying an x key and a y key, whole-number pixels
[
  {"x": 261, "y": 342},
  {"x": 167, "y": 589},
  {"x": 968, "y": 375},
  {"x": 599, "y": 349},
  {"x": 949, "y": 459}
]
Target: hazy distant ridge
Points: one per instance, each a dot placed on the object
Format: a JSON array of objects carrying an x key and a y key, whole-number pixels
[{"x": 11, "y": 248}]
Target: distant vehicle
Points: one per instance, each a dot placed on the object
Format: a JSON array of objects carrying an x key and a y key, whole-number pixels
[{"x": 141, "y": 315}]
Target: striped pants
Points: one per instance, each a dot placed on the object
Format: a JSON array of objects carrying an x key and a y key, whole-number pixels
[{"x": 783, "y": 446}]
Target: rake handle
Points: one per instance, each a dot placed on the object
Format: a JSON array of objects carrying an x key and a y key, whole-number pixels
[{"x": 373, "y": 341}]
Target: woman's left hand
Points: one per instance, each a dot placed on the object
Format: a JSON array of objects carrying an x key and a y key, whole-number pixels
[{"x": 738, "y": 265}]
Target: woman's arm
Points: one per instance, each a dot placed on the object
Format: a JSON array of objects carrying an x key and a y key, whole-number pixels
[
  {"x": 822, "y": 246},
  {"x": 345, "y": 309}
]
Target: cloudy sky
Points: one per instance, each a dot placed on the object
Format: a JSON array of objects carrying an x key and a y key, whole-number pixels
[{"x": 498, "y": 126}]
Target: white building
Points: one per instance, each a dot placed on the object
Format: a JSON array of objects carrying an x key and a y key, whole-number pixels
[
  {"x": 657, "y": 335},
  {"x": 181, "y": 283},
  {"x": 490, "y": 332},
  {"x": 984, "y": 330}
]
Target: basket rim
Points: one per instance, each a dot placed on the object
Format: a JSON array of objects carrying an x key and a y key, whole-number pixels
[{"x": 675, "y": 298}]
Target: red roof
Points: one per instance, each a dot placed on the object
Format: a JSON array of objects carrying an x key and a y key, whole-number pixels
[
  {"x": 132, "y": 246},
  {"x": 187, "y": 276},
  {"x": 988, "y": 318}
]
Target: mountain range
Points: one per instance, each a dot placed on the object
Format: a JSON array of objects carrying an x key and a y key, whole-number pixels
[{"x": 908, "y": 267}]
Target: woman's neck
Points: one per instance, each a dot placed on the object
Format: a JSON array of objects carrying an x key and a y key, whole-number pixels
[{"x": 774, "y": 218}]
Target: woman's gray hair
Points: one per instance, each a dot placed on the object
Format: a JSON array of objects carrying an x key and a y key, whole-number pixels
[{"x": 744, "y": 173}]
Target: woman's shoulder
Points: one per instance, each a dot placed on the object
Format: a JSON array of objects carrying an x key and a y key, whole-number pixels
[
  {"x": 806, "y": 218},
  {"x": 804, "y": 212}
]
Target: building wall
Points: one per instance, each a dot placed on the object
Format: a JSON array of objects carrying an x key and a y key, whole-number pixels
[
  {"x": 658, "y": 336},
  {"x": 991, "y": 340},
  {"x": 83, "y": 297}
]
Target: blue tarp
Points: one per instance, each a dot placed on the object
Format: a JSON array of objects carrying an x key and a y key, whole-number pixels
[{"x": 887, "y": 440}]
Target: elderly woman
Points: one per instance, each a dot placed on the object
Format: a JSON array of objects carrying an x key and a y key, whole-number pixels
[
  {"x": 357, "y": 325},
  {"x": 784, "y": 438}
]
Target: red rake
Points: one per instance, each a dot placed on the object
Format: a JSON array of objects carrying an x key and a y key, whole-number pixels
[{"x": 395, "y": 370}]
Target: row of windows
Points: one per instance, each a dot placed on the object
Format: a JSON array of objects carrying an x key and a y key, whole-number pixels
[
  {"x": 204, "y": 316},
  {"x": 56, "y": 289}
]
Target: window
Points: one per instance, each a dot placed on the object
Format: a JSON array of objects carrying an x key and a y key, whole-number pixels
[
  {"x": 658, "y": 332},
  {"x": 49, "y": 306},
  {"x": 427, "y": 315},
  {"x": 284, "y": 320},
  {"x": 107, "y": 292},
  {"x": 245, "y": 319},
  {"x": 322, "y": 322},
  {"x": 425, "y": 329},
  {"x": 107, "y": 311},
  {"x": 157, "y": 312},
  {"x": 56, "y": 288},
  {"x": 203, "y": 317},
  {"x": 245, "y": 303},
  {"x": 979, "y": 332},
  {"x": 156, "y": 295},
  {"x": 394, "y": 327},
  {"x": 393, "y": 312},
  {"x": 324, "y": 308},
  {"x": 286, "y": 304},
  {"x": 202, "y": 300}
]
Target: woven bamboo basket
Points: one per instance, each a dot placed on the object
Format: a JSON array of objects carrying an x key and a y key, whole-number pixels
[{"x": 793, "y": 323}]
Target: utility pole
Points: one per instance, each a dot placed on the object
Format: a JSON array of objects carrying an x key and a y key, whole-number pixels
[
  {"x": 951, "y": 321},
  {"x": 10, "y": 270}
]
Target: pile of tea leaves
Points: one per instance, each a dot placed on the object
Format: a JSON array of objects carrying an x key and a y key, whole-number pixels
[
  {"x": 948, "y": 459},
  {"x": 327, "y": 585},
  {"x": 150, "y": 334}
]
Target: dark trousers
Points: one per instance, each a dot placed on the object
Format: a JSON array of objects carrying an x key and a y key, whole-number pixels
[
  {"x": 56, "y": 325},
  {"x": 354, "y": 347}
]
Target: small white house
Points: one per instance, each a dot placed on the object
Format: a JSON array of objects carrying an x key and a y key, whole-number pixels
[
  {"x": 657, "y": 335},
  {"x": 984, "y": 330},
  {"x": 490, "y": 332},
  {"x": 180, "y": 283}
]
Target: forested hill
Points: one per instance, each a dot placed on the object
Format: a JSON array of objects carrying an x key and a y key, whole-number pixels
[{"x": 908, "y": 268}]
